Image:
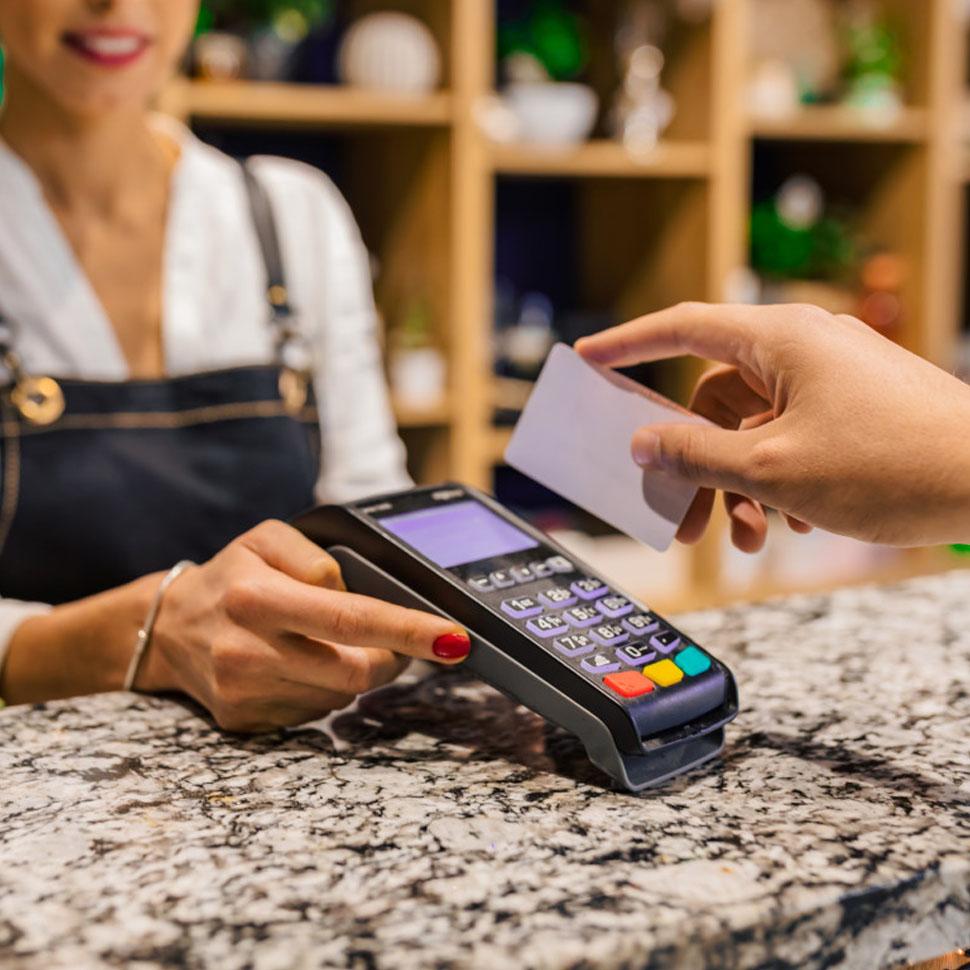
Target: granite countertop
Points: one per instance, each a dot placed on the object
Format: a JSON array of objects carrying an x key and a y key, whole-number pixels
[{"x": 441, "y": 826}]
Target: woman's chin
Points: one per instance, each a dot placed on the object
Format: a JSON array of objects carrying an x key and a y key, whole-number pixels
[{"x": 104, "y": 100}]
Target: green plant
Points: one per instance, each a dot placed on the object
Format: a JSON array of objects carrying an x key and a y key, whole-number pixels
[
  {"x": 551, "y": 34},
  {"x": 824, "y": 250}
]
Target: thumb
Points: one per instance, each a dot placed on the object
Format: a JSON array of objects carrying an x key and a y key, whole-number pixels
[{"x": 704, "y": 455}]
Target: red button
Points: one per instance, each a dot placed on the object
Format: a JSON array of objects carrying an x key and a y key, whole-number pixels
[{"x": 629, "y": 683}]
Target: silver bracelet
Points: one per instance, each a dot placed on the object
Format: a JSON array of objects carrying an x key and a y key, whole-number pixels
[{"x": 148, "y": 627}]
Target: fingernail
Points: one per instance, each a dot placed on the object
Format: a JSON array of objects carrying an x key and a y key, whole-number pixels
[
  {"x": 452, "y": 646},
  {"x": 646, "y": 449}
]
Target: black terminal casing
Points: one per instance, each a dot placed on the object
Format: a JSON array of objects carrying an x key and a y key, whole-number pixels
[{"x": 374, "y": 562}]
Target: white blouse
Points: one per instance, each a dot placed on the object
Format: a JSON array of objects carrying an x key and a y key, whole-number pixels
[{"x": 214, "y": 304}]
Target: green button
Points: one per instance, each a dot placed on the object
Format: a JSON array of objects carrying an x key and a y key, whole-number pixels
[{"x": 693, "y": 661}]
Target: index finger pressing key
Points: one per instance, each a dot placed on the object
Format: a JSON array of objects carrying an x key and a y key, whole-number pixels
[
  {"x": 361, "y": 621},
  {"x": 723, "y": 332}
]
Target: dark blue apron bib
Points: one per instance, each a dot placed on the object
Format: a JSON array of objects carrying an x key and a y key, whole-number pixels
[{"x": 134, "y": 476}]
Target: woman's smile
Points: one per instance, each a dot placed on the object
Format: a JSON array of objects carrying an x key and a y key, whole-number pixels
[{"x": 110, "y": 47}]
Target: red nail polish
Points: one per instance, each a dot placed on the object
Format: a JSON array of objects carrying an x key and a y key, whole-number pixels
[{"x": 452, "y": 646}]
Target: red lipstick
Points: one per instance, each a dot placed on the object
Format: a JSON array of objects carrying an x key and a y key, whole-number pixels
[{"x": 110, "y": 47}]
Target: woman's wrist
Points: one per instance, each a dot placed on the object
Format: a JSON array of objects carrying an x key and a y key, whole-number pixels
[{"x": 81, "y": 648}]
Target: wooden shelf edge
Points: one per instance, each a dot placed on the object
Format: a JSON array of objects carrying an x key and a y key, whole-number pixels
[
  {"x": 841, "y": 124},
  {"x": 267, "y": 102},
  {"x": 602, "y": 158},
  {"x": 436, "y": 415}
]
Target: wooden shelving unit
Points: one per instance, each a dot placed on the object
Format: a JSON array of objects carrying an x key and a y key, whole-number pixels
[{"x": 423, "y": 179}]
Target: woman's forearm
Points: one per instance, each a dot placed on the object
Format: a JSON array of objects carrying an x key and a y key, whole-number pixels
[{"x": 79, "y": 648}]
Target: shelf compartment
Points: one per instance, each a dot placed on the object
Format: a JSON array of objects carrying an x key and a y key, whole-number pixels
[
  {"x": 602, "y": 158},
  {"x": 272, "y": 103},
  {"x": 840, "y": 124}
]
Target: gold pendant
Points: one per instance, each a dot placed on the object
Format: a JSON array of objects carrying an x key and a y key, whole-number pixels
[
  {"x": 294, "y": 390},
  {"x": 39, "y": 400}
]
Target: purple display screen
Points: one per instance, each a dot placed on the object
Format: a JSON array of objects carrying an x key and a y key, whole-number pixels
[{"x": 451, "y": 535}]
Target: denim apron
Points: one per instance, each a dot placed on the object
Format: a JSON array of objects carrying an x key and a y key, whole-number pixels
[{"x": 107, "y": 481}]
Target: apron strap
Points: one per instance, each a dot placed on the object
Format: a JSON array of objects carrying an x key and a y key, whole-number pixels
[{"x": 267, "y": 234}]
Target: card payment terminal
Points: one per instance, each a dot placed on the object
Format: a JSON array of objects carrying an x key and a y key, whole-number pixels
[{"x": 646, "y": 702}]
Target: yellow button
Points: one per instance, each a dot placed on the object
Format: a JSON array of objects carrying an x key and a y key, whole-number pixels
[{"x": 664, "y": 672}]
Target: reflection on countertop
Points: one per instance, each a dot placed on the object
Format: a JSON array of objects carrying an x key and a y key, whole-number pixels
[{"x": 437, "y": 824}]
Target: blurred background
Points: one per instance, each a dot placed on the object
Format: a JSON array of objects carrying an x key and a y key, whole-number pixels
[{"x": 532, "y": 170}]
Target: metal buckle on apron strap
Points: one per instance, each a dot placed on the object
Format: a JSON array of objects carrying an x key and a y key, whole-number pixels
[
  {"x": 39, "y": 400},
  {"x": 295, "y": 375}
]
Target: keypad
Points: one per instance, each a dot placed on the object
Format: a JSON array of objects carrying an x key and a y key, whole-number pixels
[
  {"x": 521, "y": 607},
  {"x": 557, "y": 598},
  {"x": 589, "y": 588},
  {"x": 630, "y": 651},
  {"x": 583, "y": 616},
  {"x": 574, "y": 645}
]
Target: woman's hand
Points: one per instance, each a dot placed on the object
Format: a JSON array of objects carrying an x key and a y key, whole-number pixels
[
  {"x": 820, "y": 417},
  {"x": 264, "y": 634}
]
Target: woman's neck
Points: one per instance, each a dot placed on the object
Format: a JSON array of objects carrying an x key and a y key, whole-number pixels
[{"x": 97, "y": 165}]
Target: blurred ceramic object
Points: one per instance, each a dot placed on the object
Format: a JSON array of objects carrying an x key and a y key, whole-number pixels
[
  {"x": 524, "y": 68},
  {"x": 219, "y": 56},
  {"x": 523, "y": 347},
  {"x": 555, "y": 114},
  {"x": 800, "y": 202},
  {"x": 496, "y": 119},
  {"x": 743, "y": 285},
  {"x": 802, "y": 34},
  {"x": 270, "y": 56},
  {"x": 390, "y": 52},
  {"x": 643, "y": 110},
  {"x": 773, "y": 91},
  {"x": 417, "y": 377}
]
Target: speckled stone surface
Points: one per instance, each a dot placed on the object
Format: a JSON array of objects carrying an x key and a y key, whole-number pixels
[{"x": 444, "y": 827}]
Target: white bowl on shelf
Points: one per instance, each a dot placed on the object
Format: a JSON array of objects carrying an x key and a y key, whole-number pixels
[{"x": 553, "y": 114}]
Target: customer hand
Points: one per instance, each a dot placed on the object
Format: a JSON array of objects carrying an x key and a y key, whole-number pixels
[
  {"x": 820, "y": 417},
  {"x": 265, "y": 635}
]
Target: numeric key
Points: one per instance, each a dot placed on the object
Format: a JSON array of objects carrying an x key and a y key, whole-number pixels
[
  {"x": 558, "y": 598},
  {"x": 589, "y": 588},
  {"x": 641, "y": 623},
  {"x": 582, "y": 616},
  {"x": 574, "y": 645},
  {"x": 550, "y": 625},
  {"x": 609, "y": 634},
  {"x": 614, "y": 606},
  {"x": 521, "y": 607}
]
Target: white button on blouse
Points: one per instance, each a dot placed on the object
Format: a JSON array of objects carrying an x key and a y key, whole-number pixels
[{"x": 214, "y": 304}]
